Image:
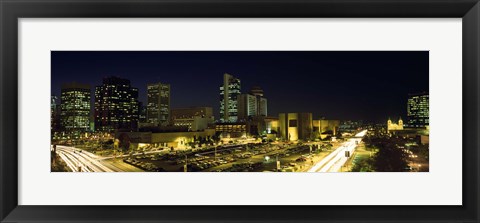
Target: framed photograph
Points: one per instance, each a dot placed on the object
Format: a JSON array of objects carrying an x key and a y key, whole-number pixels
[{"x": 227, "y": 111}]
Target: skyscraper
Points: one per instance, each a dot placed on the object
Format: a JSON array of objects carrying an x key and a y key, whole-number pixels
[
  {"x": 418, "y": 110},
  {"x": 75, "y": 107},
  {"x": 116, "y": 105},
  {"x": 142, "y": 113},
  {"x": 229, "y": 92},
  {"x": 158, "y": 104},
  {"x": 247, "y": 107},
  {"x": 54, "y": 113},
  {"x": 252, "y": 104}
]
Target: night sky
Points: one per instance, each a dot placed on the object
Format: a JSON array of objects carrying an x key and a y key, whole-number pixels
[{"x": 371, "y": 85}]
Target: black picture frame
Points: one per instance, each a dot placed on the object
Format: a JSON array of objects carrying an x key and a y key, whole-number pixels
[{"x": 12, "y": 10}]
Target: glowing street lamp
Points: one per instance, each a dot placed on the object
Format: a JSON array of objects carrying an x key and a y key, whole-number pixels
[{"x": 267, "y": 158}]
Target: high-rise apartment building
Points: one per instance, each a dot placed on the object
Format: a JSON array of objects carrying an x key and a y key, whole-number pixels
[
  {"x": 158, "y": 104},
  {"x": 229, "y": 92},
  {"x": 75, "y": 107},
  {"x": 418, "y": 110},
  {"x": 116, "y": 105}
]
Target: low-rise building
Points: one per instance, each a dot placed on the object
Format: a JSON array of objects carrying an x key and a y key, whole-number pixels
[
  {"x": 295, "y": 126},
  {"x": 177, "y": 140},
  {"x": 231, "y": 130},
  {"x": 193, "y": 118},
  {"x": 394, "y": 126},
  {"x": 324, "y": 128}
]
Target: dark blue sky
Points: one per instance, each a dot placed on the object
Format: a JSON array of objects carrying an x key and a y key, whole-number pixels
[{"x": 371, "y": 85}]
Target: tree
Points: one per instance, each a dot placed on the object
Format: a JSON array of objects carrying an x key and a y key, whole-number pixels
[
  {"x": 364, "y": 165},
  {"x": 389, "y": 158}
]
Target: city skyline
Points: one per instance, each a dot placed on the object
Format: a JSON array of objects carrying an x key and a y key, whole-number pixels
[
  {"x": 347, "y": 84},
  {"x": 304, "y": 112}
]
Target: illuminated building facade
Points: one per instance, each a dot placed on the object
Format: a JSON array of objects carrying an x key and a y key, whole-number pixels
[
  {"x": 231, "y": 130},
  {"x": 229, "y": 92},
  {"x": 271, "y": 125},
  {"x": 177, "y": 140},
  {"x": 295, "y": 126},
  {"x": 261, "y": 101},
  {"x": 75, "y": 107},
  {"x": 116, "y": 105},
  {"x": 247, "y": 106},
  {"x": 326, "y": 127},
  {"x": 418, "y": 110},
  {"x": 158, "y": 104},
  {"x": 252, "y": 105},
  {"x": 194, "y": 118},
  {"x": 394, "y": 126}
]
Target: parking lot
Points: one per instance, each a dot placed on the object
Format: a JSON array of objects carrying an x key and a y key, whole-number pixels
[{"x": 252, "y": 157}]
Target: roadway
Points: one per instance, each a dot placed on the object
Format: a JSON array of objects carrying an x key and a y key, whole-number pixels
[
  {"x": 334, "y": 161},
  {"x": 79, "y": 160}
]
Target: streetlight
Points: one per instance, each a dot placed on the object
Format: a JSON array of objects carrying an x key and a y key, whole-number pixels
[
  {"x": 277, "y": 162},
  {"x": 185, "y": 166}
]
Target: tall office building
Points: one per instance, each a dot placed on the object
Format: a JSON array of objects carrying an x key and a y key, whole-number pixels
[
  {"x": 247, "y": 107},
  {"x": 116, "y": 105},
  {"x": 252, "y": 105},
  {"x": 158, "y": 104},
  {"x": 142, "y": 113},
  {"x": 54, "y": 113},
  {"x": 418, "y": 110},
  {"x": 260, "y": 100},
  {"x": 229, "y": 92},
  {"x": 75, "y": 107}
]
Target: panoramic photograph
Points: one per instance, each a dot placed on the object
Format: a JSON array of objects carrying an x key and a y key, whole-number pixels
[{"x": 239, "y": 111}]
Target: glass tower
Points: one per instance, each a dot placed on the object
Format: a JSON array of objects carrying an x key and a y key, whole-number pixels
[
  {"x": 417, "y": 110},
  {"x": 75, "y": 107},
  {"x": 158, "y": 104},
  {"x": 116, "y": 105},
  {"x": 229, "y": 92}
]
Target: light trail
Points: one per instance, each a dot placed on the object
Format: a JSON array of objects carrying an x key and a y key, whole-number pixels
[
  {"x": 88, "y": 162},
  {"x": 335, "y": 160}
]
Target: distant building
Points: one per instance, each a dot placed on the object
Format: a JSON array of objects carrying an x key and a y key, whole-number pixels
[
  {"x": 350, "y": 126},
  {"x": 231, "y": 130},
  {"x": 158, "y": 104},
  {"x": 247, "y": 106},
  {"x": 176, "y": 139},
  {"x": 394, "y": 126},
  {"x": 418, "y": 110},
  {"x": 194, "y": 118},
  {"x": 55, "y": 114},
  {"x": 326, "y": 127},
  {"x": 272, "y": 125},
  {"x": 295, "y": 126},
  {"x": 261, "y": 101},
  {"x": 116, "y": 105},
  {"x": 251, "y": 105},
  {"x": 229, "y": 92},
  {"x": 142, "y": 116},
  {"x": 75, "y": 107}
]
